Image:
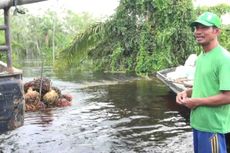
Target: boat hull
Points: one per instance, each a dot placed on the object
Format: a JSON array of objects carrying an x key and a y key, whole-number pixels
[{"x": 175, "y": 87}]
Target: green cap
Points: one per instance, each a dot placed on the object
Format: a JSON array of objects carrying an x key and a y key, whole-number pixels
[{"x": 207, "y": 19}]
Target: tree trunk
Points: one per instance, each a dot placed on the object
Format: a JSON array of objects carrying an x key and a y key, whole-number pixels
[{"x": 9, "y": 3}]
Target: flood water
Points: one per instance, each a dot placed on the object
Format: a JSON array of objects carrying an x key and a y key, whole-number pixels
[{"x": 110, "y": 113}]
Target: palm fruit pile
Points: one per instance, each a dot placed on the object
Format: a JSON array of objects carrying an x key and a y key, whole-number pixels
[{"x": 48, "y": 97}]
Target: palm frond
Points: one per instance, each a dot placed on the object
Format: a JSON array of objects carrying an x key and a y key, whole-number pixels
[{"x": 83, "y": 42}]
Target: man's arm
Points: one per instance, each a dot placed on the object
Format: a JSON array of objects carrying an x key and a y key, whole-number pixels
[{"x": 220, "y": 99}]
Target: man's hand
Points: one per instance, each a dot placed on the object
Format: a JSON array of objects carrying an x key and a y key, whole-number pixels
[{"x": 180, "y": 98}]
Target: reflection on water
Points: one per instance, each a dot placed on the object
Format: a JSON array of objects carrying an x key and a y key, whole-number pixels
[{"x": 110, "y": 114}]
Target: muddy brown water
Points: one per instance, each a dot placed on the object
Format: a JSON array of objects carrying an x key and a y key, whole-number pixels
[{"x": 110, "y": 113}]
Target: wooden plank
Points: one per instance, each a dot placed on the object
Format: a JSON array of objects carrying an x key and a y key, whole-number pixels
[
  {"x": 9, "y": 3},
  {"x": 3, "y": 27},
  {"x": 4, "y": 48},
  {"x": 8, "y": 37}
]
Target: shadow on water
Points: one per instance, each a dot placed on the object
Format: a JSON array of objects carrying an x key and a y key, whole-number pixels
[{"x": 110, "y": 113}]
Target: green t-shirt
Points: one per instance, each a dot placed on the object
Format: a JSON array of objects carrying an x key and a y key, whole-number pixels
[{"x": 212, "y": 75}]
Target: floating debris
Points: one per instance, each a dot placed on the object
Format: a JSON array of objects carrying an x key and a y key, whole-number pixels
[{"x": 48, "y": 97}]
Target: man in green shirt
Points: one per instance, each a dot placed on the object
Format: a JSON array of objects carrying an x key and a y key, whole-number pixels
[{"x": 209, "y": 99}]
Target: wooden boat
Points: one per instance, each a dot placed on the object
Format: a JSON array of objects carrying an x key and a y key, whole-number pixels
[
  {"x": 174, "y": 86},
  {"x": 178, "y": 87}
]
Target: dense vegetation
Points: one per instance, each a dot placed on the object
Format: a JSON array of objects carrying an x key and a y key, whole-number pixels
[
  {"x": 42, "y": 37},
  {"x": 142, "y": 36}
]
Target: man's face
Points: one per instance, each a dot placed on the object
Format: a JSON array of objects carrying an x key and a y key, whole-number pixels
[{"x": 205, "y": 35}]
